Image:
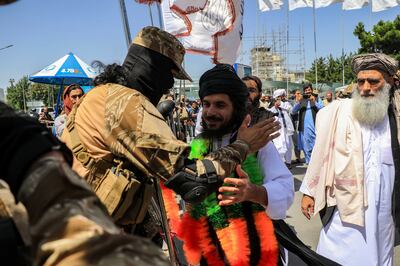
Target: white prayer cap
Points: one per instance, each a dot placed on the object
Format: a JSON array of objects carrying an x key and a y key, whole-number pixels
[{"x": 278, "y": 92}]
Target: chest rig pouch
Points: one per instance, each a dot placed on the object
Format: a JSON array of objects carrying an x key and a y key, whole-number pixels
[{"x": 125, "y": 194}]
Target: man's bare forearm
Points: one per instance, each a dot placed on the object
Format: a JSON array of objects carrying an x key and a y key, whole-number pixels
[{"x": 258, "y": 195}]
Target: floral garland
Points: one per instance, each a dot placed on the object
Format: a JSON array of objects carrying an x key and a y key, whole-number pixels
[{"x": 239, "y": 234}]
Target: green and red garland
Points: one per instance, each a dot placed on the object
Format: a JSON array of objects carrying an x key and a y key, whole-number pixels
[{"x": 237, "y": 235}]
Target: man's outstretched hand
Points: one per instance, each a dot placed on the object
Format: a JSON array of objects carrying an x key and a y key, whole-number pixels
[
  {"x": 236, "y": 190},
  {"x": 307, "y": 206},
  {"x": 260, "y": 134}
]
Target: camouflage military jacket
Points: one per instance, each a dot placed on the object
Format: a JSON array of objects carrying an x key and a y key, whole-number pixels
[{"x": 113, "y": 120}]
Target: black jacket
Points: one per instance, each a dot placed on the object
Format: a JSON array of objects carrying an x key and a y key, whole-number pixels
[{"x": 302, "y": 113}]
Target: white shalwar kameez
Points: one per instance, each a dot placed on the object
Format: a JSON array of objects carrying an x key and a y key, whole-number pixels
[
  {"x": 371, "y": 245},
  {"x": 284, "y": 143}
]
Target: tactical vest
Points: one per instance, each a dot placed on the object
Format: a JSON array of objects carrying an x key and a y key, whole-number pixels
[{"x": 125, "y": 193}]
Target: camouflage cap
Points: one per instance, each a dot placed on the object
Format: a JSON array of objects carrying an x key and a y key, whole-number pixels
[{"x": 166, "y": 44}]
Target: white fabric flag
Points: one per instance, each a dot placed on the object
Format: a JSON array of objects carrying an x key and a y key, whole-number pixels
[
  {"x": 354, "y": 4},
  {"x": 267, "y": 5},
  {"x": 212, "y": 27},
  {"x": 173, "y": 23},
  {"x": 325, "y": 3},
  {"x": 380, "y": 5},
  {"x": 293, "y": 4},
  {"x": 188, "y": 6}
]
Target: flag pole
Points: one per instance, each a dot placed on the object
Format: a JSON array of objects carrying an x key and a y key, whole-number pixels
[
  {"x": 160, "y": 16},
  {"x": 287, "y": 49},
  {"x": 125, "y": 23},
  {"x": 164, "y": 219},
  {"x": 151, "y": 15},
  {"x": 343, "y": 59},
  {"x": 315, "y": 46},
  {"x": 257, "y": 43}
]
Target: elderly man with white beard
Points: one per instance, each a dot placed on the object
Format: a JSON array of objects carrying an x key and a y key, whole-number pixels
[{"x": 353, "y": 179}]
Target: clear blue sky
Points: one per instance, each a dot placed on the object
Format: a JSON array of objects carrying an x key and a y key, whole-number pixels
[{"x": 42, "y": 31}]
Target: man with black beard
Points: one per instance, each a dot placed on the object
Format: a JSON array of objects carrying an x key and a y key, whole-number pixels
[
  {"x": 244, "y": 206},
  {"x": 257, "y": 112},
  {"x": 353, "y": 179},
  {"x": 122, "y": 144}
]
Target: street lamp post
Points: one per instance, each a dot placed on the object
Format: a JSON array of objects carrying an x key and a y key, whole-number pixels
[{"x": 23, "y": 95}]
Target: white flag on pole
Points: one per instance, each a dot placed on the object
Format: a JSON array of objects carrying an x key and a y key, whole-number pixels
[
  {"x": 173, "y": 23},
  {"x": 293, "y": 4},
  {"x": 380, "y": 5},
  {"x": 354, "y": 4},
  {"x": 188, "y": 6},
  {"x": 325, "y": 3},
  {"x": 212, "y": 27},
  {"x": 267, "y": 5}
]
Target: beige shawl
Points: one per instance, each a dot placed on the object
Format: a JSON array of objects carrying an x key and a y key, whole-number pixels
[{"x": 335, "y": 175}]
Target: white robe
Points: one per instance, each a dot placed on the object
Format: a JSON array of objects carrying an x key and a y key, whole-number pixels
[
  {"x": 373, "y": 244},
  {"x": 287, "y": 106},
  {"x": 284, "y": 143}
]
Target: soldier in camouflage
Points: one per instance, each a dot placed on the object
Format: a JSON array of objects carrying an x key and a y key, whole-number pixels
[
  {"x": 68, "y": 225},
  {"x": 121, "y": 143}
]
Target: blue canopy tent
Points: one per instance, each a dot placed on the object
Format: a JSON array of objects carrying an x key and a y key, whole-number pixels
[{"x": 65, "y": 71}]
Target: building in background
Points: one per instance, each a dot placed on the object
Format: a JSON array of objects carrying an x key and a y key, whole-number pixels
[
  {"x": 268, "y": 65},
  {"x": 275, "y": 55},
  {"x": 187, "y": 88}
]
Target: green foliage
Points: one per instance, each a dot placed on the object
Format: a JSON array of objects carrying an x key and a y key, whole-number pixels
[
  {"x": 32, "y": 91},
  {"x": 384, "y": 38},
  {"x": 43, "y": 92},
  {"x": 15, "y": 93},
  {"x": 330, "y": 70}
]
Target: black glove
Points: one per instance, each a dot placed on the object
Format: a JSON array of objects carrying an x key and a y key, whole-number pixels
[
  {"x": 22, "y": 141},
  {"x": 192, "y": 188}
]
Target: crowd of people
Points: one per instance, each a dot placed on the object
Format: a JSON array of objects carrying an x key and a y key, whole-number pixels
[{"x": 128, "y": 163}]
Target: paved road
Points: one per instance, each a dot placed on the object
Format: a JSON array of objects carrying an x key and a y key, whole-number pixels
[{"x": 308, "y": 231}]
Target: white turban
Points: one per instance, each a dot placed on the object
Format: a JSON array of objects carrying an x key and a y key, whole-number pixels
[{"x": 279, "y": 92}]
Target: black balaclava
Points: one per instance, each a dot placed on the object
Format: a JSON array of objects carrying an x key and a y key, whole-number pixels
[
  {"x": 223, "y": 79},
  {"x": 149, "y": 72}
]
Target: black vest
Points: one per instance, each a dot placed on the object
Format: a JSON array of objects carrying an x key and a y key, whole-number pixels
[
  {"x": 302, "y": 113},
  {"x": 396, "y": 161},
  {"x": 260, "y": 114}
]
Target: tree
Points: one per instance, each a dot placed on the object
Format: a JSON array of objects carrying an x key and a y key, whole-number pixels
[
  {"x": 43, "y": 92},
  {"x": 384, "y": 38},
  {"x": 31, "y": 91},
  {"x": 330, "y": 70},
  {"x": 17, "y": 92},
  {"x": 320, "y": 64}
]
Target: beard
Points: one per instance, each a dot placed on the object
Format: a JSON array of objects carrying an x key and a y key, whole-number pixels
[
  {"x": 370, "y": 111},
  {"x": 253, "y": 105},
  {"x": 215, "y": 133}
]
